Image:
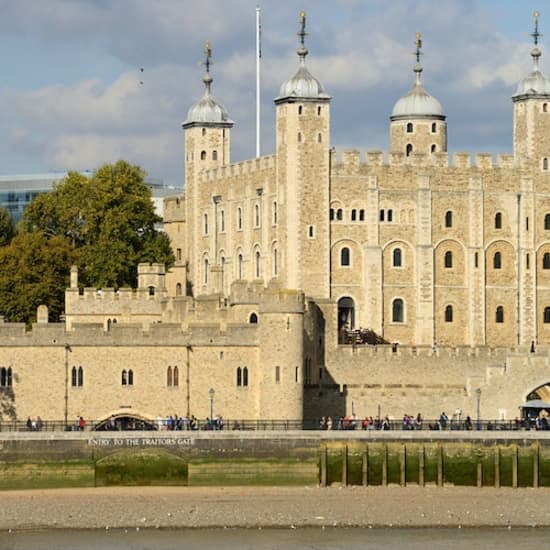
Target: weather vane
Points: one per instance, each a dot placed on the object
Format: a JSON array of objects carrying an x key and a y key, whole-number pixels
[
  {"x": 302, "y": 34},
  {"x": 536, "y": 35},
  {"x": 418, "y": 44},
  {"x": 208, "y": 53}
]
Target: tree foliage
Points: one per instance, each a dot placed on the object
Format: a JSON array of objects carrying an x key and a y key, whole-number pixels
[
  {"x": 6, "y": 227},
  {"x": 108, "y": 220},
  {"x": 33, "y": 271}
]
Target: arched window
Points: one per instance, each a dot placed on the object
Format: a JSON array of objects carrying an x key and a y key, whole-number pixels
[
  {"x": 344, "y": 256},
  {"x": 73, "y": 377},
  {"x": 547, "y": 222},
  {"x": 353, "y": 214},
  {"x": 397, "y": 257},
  {"x": 108, "y": 324},
  {"x": 275, "y": 262},
  {"x": 434, "y": 127},
  {"x": 390, "y": 215},
  {"x": 448, "y": 218},
  {"x": 179, "y": 289},
  {"x": 409, "y": 149},
  {"x": 546, "y": 261},
  {"x": 239, "y": 376},
  {"x": 545, "y": 163},
  {"x": 547, "y": 315},
  {"x": 257, "y": 264},
  {"x": 257, "y": 215},
  {"x": 205, "y": 225},
  {"x": 300, "y": 109},
  {"x": 176, "y": 376},
  {"x": 245, "y": 376},
  {"x": 169, "y": 379},
  {"x": 80, "y": 381},
  {"x": 124, "y": 378},
  {"x": 239, "y": 218},
  {"x": 382, "y": 215},
  {"x": 397, "y": 311},
  {"x": 497, "y": 260},
  {"x": 203, "y": 155},
  {"x": 222, "y": 221},
  {"x": 498, "y": 220},
  {"x": 331, "y": 214},
  {"x": 151, "y": 291},
  {"x": 214, "y": 155},
  {"x": 410, "y": 128},
  {"x": 433, "y": 148},
  {"x": 361, "y": 215},
  {"x": 339, "y": 214},
  {"x": 319, "y": 138},
  {"x": 205, "y": 274},
  {"x": 5, "y": 377},
  {"x": 545, "y": 107},
  {"x": 253, "y": 319},
  {"x": 240, "y": 266},
  {"x": 448, "y": 259},
  {"x": 130, "y": 377},
  {"x": 449, "y": 314},
  {"x": 500, "y": 314}
]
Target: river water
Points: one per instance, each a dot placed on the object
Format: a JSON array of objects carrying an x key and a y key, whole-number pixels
[{"x": 263, "y": 539}]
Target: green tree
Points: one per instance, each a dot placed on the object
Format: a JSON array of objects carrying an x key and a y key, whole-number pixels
[
  {"x": 6, "y": 227},
  {"x": 33, "y": 271},
  {"x": 108, "y": 220}
]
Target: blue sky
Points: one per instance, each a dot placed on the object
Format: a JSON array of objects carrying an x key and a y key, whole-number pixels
[{"x": 71, "y": 98}]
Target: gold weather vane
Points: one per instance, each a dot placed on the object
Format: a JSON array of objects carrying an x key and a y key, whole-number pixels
[
  {"x": 302, "y": 34},
  {"x": 418, "y": 44},
  {"x": 208, "y": 53},
  {"x": 536, "y": 35}
]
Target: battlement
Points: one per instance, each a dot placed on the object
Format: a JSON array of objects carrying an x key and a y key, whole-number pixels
[
  {"x": 243, "y": 168},
  {"x": 174, "y": 208},
  {"x": 351, "y": 160}
]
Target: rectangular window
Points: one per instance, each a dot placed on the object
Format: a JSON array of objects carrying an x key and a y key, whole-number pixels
[{"x": 277, "y": 375}]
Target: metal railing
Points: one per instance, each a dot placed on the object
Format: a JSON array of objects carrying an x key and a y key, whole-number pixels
[{"x": 338, "y": 424}]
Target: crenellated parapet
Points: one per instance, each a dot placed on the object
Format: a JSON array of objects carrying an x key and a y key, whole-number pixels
[{"x": 244, "y": 168}]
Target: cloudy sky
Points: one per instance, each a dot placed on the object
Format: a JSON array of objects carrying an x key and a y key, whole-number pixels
[{"x": 71, "y": 97}]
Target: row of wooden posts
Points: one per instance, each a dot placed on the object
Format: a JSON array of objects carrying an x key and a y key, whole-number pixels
[{"x": 421, "y": 467}]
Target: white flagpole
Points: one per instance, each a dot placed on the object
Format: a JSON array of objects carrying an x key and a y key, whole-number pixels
[{"x": 258, "y": 56}]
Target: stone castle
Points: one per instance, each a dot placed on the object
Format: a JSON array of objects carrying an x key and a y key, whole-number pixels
[{"x": 319, "y": 282}]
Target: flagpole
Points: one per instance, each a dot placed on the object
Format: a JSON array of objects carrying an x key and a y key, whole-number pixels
[{"x": 258, "y": 56}]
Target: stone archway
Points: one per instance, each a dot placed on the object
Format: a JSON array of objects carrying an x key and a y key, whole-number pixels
[
  {"x": 346, "y": 313},
  {"x": 125, "y": 421},
  {"x": 542, "y": 393}
]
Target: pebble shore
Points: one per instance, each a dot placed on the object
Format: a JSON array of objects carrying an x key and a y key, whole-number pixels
[{"x": 262, "y": 507}]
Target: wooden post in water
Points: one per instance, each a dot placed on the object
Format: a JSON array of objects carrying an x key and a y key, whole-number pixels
[
  {"x": 479, "y": 474},
  {"x": 385, "y": 465},
  {"x": 403, "y": 466},
  {"x": 515, "y": 467},
  {"x": 536, "y": 466},
  {"x": 421, "y": 466},
  {"x": 324, "y": 480},
  {"x": 345, "y": 465},
  {"x": 497, "y": 467},
  {"x": 440, "y": 466},
  {"x": 365, "y": 466}
]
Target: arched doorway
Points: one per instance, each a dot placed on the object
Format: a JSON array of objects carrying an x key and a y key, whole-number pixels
[
  {"x": 124, "y": 422},
  {"x": 346, "y": 313},
  {"x": 542, "y": 393}
]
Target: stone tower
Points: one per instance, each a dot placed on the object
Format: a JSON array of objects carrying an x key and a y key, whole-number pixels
[
  {"x": 303, "y": 160},
  {"x": 207, "y": 145},
  {"x": 417, "y": 120},
  {"x": 532, "y": 112}
]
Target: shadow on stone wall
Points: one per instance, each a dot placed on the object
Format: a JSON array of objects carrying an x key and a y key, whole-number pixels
[{"x": 7, "y": 404}]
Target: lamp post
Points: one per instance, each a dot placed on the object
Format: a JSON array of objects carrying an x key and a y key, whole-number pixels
[
  {"x": 478, "y": 395},
  {"x": 211, "y": 393},
  {"x": 67, "y": 351}
]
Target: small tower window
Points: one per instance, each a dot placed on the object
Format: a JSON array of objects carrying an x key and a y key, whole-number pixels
[
  {"x": 178, "y": 289},
  {"x": 205, "y": 274},
  {"x": 300, "y": 108},
  {"x": 433, "y": 148},
  {"x": 339, "y": 214},
  {"x": 546, "y": 261},
  {"x": 205, "y": 227},
  {"x": 214, "y": 155},
  {"x": 547, "y": 315},
  {"x": 498, "y": 220},
  {"x": 176, "y": 377},
  {"x": 345, "y": 256},
  {"x": 319, "y": 138},
  {"x": 410, "y": 128},
  {"x": 240, "y": 266},
  {"x": 397, "y": 311},
  {"x": 390, "y": 215},
  {"x": 499, "y": 317},
  {"x": 274, "y": 213},
  {"x": 353, "y": 215},
  {"x": 397, "y": 259},
  {"x": 204, "y": 131},
  {"x": 277, "y": 375},
  {"x": 169, "y": 379},
  {"x": 311, "y": 231},
  {"x": 448, "y": 259},
  {"x": 203, "y": 155},
  {"x": 151, "y": 291},
  {"x": 497, "y": 260},
  {"x": 547, "y": 222},
  {"x": 253, "y": 319},
  {"x": 449, "y": 314},
  {"x": 239, "y": 377},
  {"x": 257, "y": 215},
  {"x": 434, "y": 127},
  {"x": 222, "y": 221},
  {"x": 318, "y": 111},
  {"x": 361, "y": 215},
  {"x": 331, "y": 214},
  {"x": 258, "y": 264},
  {"x": 545, "y": 163},
  {"x": 448, "y": 218},
  {"x": 239, "y": 218},
  {"x": 545, "y": 107},
  {"x": 382, "y": 215},
  {"x": 299, "y": 137},
  {"x": 409, "y": 149}
]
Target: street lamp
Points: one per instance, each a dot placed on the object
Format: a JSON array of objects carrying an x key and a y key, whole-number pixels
[
  {"x": 67, "y": 351},
  {"x": 211, "y": 393},
  {"x": 478, "y": 395}
]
